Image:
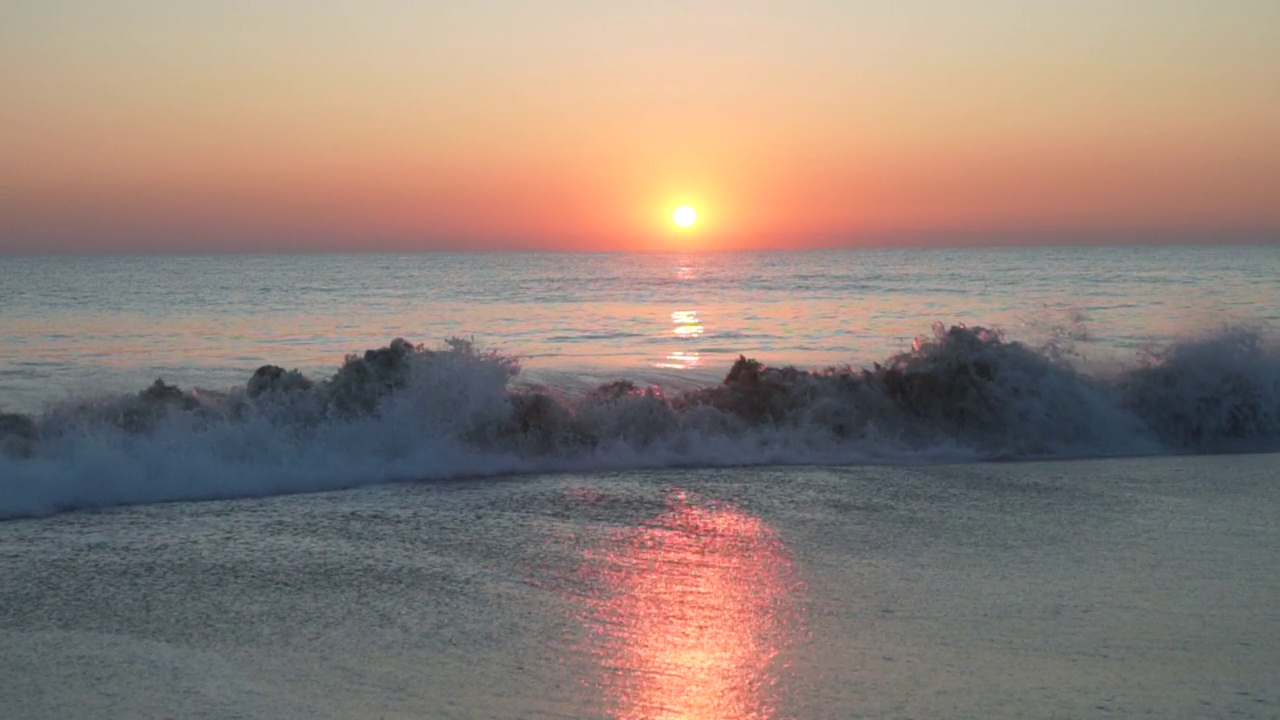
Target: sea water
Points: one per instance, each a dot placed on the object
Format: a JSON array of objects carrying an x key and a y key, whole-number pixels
[
  {"x": 1135, "y": 588},
  {"x": 128, "y": 379},
  {"x": 75, "y": 326},
  {"x": 701, "y": 485}
]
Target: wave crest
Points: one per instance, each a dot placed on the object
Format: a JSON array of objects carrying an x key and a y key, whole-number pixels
[{"x": 406, "y": 411}]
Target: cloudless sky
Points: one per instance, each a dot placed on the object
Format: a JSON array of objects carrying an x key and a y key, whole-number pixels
[{"x": 575, "y": 124}]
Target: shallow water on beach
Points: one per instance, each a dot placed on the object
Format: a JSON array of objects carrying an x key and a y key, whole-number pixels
[{"x": 1137, "y": 587}]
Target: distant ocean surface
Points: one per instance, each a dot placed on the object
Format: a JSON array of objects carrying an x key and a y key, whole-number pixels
[
  {"x": 575, "y": 361},
  {"x": 998, "y": 483},
  {"x": 73, "y": 326}
]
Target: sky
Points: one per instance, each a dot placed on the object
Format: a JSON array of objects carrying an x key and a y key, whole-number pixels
[{"x": 293, "y": 125}]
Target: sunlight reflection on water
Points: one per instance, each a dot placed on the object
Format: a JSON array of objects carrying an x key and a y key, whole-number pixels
[
  {"x": 679, "y": 360},
  {"x": 687, "y": 323},
  {"x": 75, "y": 326},
  {"x": 691, "y": 611}
]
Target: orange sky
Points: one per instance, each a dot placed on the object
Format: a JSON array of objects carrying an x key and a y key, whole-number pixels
[{"x": 164, "y": 126}]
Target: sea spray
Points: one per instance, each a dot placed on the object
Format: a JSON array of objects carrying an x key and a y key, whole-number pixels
[{"x": 408, "y": 412}]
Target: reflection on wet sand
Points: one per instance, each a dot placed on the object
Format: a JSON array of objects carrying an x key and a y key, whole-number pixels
[{"x": 690, "y": 611}]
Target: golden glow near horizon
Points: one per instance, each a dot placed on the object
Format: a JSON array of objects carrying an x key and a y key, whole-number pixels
[
  {"x": 684, "y": 216},
  {"x": 286, "y": 125}
]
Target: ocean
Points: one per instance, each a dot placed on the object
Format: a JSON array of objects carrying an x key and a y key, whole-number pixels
[{"x": 999, "y": 482}]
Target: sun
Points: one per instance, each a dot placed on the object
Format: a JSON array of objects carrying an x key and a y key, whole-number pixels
[{"x": 684, "y": 216}]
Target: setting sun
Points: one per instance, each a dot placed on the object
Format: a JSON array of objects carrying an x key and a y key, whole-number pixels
[{"x": 684, "y": 216}]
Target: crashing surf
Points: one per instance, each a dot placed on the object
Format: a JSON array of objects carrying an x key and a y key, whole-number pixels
[{"x": 409, "y": 412}]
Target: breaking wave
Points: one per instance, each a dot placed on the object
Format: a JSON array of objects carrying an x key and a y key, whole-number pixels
[{"x": 407, "y": 412}]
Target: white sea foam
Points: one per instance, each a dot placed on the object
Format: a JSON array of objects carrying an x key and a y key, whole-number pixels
[{"x": 406, "y": 412}]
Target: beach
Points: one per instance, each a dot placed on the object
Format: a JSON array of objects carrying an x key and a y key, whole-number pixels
[{"x": 1139, "y": 587}]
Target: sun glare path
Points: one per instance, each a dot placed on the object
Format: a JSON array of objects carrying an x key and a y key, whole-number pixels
[
  {"x": 684, "y": 216},
  {"x": 694, "y": 607}
]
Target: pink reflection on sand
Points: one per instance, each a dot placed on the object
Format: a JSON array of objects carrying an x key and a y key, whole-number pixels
[{"x": 690, "y": 613}]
